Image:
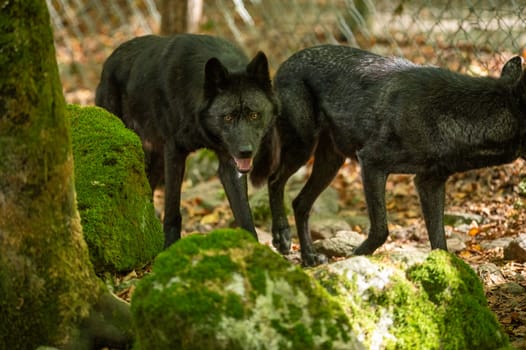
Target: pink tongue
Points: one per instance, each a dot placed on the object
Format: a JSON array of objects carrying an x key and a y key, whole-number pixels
[{"x": 243, "y": 164}]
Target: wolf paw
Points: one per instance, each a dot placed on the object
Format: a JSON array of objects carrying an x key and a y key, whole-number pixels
[
  {"x": 281, "y": 240},
  {"x": 313, "y": 259}
]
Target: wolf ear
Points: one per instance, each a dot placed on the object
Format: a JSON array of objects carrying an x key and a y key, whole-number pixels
[
  {"x": 512, "y": 69},
  {"x": 258, "y": 69},
  {"x": 215, "y": 76}
]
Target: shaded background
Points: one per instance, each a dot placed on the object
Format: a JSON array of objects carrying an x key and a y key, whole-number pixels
[{"x": 473, "y": 36}]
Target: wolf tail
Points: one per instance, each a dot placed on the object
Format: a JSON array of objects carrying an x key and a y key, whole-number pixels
[{"x": 267, "y": 158}]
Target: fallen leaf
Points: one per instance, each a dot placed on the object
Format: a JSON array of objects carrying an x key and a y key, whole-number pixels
[
  {"x": 465, "y": 254},
  {"x": 473, "y": 231},
  {"x": 212, "y": 218}
]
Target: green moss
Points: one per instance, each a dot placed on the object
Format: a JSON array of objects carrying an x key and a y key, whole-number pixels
[
  {"x": 414, "y": 326},
  {"x": 114, "y": 198},
  {"x": 461, "y": 311},
  {"x": 214, "y": 291}
]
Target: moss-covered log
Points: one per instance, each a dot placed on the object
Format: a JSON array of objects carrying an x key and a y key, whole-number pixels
[{"x": 49, "y": 291}]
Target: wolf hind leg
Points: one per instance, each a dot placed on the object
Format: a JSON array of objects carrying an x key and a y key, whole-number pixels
[
  {"x": 327, "y": 162},
  {"x": 174, "y": 161},
  {"x": 374, "y": 181},
  {"x": 432, "y": 191}
]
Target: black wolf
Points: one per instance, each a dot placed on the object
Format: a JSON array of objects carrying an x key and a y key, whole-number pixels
[
  {"x": 187, "y": 92},
  {"x": 394, "y": 117}
]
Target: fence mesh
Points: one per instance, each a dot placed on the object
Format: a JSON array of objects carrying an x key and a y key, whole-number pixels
[{"x": 473, "y": 36}]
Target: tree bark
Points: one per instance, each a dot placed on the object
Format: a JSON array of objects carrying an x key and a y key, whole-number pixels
[
  {"x": 180, "y": 16},
  {"x": 174, "y": 16},
  {"x": 49, "y": 292}
]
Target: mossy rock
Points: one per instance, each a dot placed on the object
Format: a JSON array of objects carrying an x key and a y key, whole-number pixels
[
  {"x": 226, "y": 291},
  {"x": 113, "y": 194},
  {"x": 437, "y": 303}
]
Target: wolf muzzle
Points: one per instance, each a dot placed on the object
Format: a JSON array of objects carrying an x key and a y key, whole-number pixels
[{"x": 244, "y": 159}]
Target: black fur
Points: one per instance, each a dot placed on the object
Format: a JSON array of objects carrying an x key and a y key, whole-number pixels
[
  {"x": 395, "y": 117},
  {"x": 187, "y": 92}
]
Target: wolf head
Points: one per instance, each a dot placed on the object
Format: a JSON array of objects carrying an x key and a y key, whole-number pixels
[{"x": 240, "y": 109}]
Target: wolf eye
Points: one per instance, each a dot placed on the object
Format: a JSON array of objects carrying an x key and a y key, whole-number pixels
[
  {"x": 228, "y": 117},
  {"x": 253, "y": 115}
]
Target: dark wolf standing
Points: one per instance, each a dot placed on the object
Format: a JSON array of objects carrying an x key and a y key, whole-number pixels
[
  {"x": 187, "y": 92},
  {"x": 395, "y": 117}
]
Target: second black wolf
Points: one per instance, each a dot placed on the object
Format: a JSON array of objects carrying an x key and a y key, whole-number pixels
[
  {"x": 187, "y": 92},
  {"x": 395, "y": 117}
]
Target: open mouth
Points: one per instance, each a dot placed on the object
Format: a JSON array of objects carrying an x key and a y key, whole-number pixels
[{"x": 243, "y": 164}]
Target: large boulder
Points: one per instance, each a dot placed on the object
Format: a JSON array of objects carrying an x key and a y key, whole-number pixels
[
  {"x": 413, "y": 301},
  {"x": 113, "y": 194},
  {"x": 226, "y": 291}
]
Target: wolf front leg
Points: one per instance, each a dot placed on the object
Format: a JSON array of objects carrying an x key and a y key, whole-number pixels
[
  {"x": 174, "y": 166},
  {"x": 432, "y": 192},
  {"x": 281, "y": 237},
  {"x": 374, "y": 181},
  {"x": 235, "y": 185}
]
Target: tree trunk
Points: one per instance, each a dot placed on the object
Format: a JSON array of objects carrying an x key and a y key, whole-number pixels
[
  {"x": 174, "y": 16},
  {"x": 49, "y": 291},
  {"x": 180, "y": 16},
  {"x": 195, "y": 12}
]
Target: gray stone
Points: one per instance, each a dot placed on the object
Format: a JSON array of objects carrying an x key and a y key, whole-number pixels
[
  {"x": 516, "y": 250},
  {"x": 512, "y": 288},
  {"x": 326, "y": 227},
  {"x": 502, "y": 242},
  {"x": 456, "y": 243},
  {"x": 342, "y": 244},
  {"x": 327, "y": 203},
  {"x": 456, "y": 218},
  {"x": 409, "y": 255},
  {"x": 490, "y": 274}
]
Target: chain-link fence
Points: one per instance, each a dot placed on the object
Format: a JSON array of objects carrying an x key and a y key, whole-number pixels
[{"x": 473, "y": 36}]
